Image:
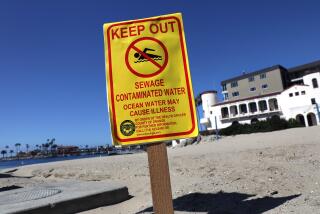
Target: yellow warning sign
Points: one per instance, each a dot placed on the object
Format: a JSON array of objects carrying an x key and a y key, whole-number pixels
[{"x": 150, "y": 94}]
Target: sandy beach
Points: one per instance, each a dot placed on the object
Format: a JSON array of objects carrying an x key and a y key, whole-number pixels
[{"x": 275, "y": 172}]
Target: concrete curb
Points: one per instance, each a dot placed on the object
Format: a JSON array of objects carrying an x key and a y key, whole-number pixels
[{"x": 70, "y": 197}]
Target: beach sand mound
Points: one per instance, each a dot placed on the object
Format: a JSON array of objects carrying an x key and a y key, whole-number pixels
[{"x": 275, "y": 172}]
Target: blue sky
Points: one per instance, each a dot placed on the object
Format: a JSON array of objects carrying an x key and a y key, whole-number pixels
[{"x": 52, "y": 73}]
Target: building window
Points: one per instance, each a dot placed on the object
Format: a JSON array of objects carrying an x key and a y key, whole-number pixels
[
  {"x": 303, "y": 92},
  {"x": 233, "y": 110},
  {"x": 315, "y": 83},
  {"x": 234, "y": 84},
  {"x": 253, "y": 89},
  {"x": 225, "y": 96},
  {"x": 262, "y": 105},
  {"x": 251, "y": 79},
  {"x": 263, "y": 76},
  {"x": 224, "y": 112},
  {"x": 313, "y": 101},
  {"x": 235, "y": 94},
  {"x": 252, "y": 107},
  {"x": 243, "y": 109},
  {"x": 224, "y": 87},
  {"x": 296, "y": 93},
  {"x": 273, "y": 104},
  {"x": 291, "y": 95},
  {"x": 264, "y": 86}
]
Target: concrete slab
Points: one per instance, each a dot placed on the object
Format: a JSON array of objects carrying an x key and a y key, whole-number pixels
[
  {"x": 5, "y": 175},
  {"x": 63, "y": 197}
]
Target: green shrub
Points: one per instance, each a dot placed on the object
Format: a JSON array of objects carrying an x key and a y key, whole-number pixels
[
  {"x": 271, "y": 124},
  {"x": 292, "y": 123}
]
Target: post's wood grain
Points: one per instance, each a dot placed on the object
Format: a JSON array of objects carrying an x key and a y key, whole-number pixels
[{"x": 160, "y": 178}]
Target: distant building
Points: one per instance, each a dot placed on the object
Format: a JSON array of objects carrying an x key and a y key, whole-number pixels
[
  {"x": 68, "y": 150},
  {"x": 287, "y": 93}
]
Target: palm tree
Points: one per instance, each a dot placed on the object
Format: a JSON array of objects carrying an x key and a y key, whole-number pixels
[
  {"x": 45, "y": 147},
  {"x": 48, "y": 145},
  {"x": 11, "y": 152},
  {"x": 7, "y": 147},
  {"x": 27, "y": 146},
  {"x": 17, "y": 145},
  {"x": 51, "y": 142},
  {"x": 54, "y": 148},
  {"x": 3, "y": 152}
]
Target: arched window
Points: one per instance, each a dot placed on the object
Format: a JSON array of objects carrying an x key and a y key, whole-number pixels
[
  {"x": 233, "y": 110},
  {"x": 252, "y": 107},
  {"x": 262, "y": 105},
  {"x": 315, "y": 83},
  {"x": 243, "y": 109},
  {"x": 225, "y": 112},
  {"x": 312, "y": 120},
  {"x": 273, "y": 104}
]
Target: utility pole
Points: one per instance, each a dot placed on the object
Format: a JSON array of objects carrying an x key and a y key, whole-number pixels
[
  {"x": 217, "y": 132},
  {"x": 318, "y": 111}
]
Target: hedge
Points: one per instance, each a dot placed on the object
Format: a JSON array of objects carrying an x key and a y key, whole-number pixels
[{"x": 271, "y": 124}]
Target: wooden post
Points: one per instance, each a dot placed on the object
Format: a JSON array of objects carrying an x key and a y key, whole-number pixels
[{"x": 160, "y": 178}]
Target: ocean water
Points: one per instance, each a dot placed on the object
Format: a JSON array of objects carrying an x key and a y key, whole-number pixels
[{"x": 17, "y": 163}]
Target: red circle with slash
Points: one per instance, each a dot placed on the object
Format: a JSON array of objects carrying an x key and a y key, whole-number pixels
[{"x": 160, "y": 67}]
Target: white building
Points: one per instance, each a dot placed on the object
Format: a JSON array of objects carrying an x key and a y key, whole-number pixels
[{"x": 298, "y": 98}]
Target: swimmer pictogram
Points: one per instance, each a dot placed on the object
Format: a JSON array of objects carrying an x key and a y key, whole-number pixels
[
  {"x": 141, "y": 58},
  {"x": 146, "y": 57}
]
